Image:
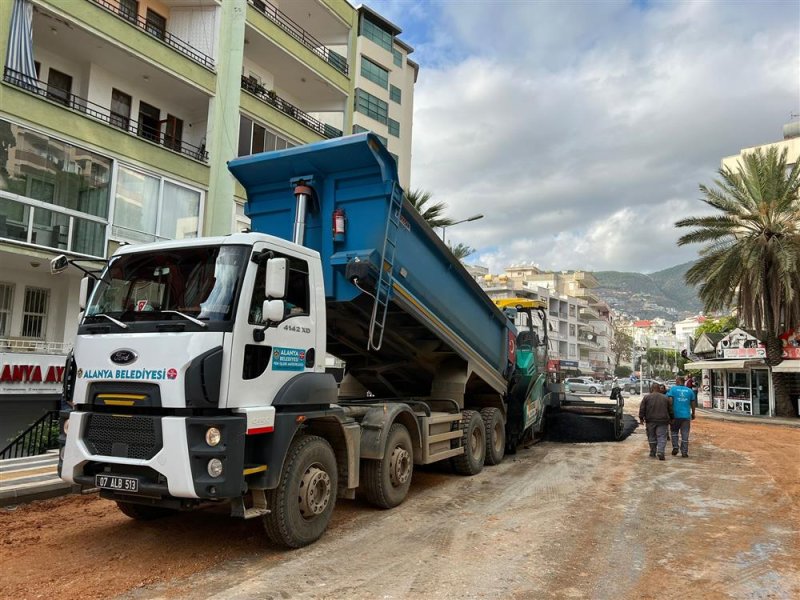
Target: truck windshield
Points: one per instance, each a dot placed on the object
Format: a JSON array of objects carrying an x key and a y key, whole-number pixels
[{"x": 200, "y": 282}]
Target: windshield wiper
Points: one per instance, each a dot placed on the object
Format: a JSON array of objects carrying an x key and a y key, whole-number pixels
[
  {"x": 112, "y": 319},
  {"x": 187, "y": 317}
]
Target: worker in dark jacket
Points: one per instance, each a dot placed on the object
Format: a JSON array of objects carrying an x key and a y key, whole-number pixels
[{"x": 655, "y": 412}]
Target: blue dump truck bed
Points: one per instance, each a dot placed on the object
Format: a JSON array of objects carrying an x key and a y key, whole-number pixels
[{"x": 436, "y": 316}]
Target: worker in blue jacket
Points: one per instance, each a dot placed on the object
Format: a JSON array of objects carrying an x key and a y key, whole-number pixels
[{"x": 684, "y": 403}]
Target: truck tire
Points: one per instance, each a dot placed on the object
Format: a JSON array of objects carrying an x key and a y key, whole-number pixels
[
  {"x": 473, "y": 440},
  {"x": 386, "y": 481},
  {"x": 143, "y": 512},
  {"x": 495, "y": 435},
  {"x": 301, "y": 506}
]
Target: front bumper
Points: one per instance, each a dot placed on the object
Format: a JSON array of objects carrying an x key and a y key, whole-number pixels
[{"x": 177, "y": 468}]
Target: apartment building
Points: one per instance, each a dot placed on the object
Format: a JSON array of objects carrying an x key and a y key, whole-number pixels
[
  {"x": 117, "y": 119},
  {"x": 384, "y": 87}
]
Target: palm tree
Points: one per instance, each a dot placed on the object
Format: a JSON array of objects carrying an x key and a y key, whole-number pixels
[
  {"x": 432, "y": 213},
  {"x": 461, "y": 251},
  {"x": 751, "y": 257}
]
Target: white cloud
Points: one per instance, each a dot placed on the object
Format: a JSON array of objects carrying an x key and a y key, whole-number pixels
[{"x": 582, "y": 130}]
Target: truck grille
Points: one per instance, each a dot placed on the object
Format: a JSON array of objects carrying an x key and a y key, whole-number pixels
[{"x": 123, "y": 436}]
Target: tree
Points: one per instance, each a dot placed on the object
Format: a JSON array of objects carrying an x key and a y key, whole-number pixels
[
  {"x": 433, "y": 213},
  {"x": 461, "y": 251},
  {"x": 621, "y": 344},
  {"x": 751, "y": 257},
  {"x": 721, "y": 325},
  {"x": 622, "y": 371}
]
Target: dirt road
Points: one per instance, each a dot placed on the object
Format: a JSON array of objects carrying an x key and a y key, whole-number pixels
[{"x": 555, "y": 521}]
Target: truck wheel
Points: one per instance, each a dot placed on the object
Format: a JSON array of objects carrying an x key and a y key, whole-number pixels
[
  {"x": 386, "y": 481},
  {"x": 473, "y": 440},
  {"x": 495, "y": 435},
  {"x": 301, "y": 506},
  {"x": 143, "y": 512}
]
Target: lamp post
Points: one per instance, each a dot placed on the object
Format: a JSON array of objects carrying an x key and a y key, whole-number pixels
[{"x": 472, "y": 218}]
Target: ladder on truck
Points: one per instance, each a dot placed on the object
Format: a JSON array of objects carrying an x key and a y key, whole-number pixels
[{"x": 383, "y": 287}]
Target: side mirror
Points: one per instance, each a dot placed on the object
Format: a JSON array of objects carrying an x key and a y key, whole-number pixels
[
  {"x": 87, "y": 285},
  {"x": 272, "y": 311},
  {"x": 276, "y": 278},
  {"x": 59, "y": 264}
]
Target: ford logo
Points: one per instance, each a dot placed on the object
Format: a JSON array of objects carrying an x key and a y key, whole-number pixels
[{"x": 124, "y": 357}]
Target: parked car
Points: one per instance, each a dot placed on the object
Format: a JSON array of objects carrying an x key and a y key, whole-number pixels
[
  {"x": 583, "y": 385},
  {"x": 632, "y": 387}
]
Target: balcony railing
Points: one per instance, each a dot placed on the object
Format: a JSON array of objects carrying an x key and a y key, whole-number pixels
[
  {"x": 37, "y": 346},
  {"x": 271, "y": 98},
  {"x": 157, "y": 31},
  {"x": 336, "y": 60},
  {"x": 103, "y": 114}
]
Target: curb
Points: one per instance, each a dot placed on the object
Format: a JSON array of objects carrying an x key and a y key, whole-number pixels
[{"x": 775, "y": 421}]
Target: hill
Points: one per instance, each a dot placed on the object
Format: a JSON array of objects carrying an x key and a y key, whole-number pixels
[{"x": 660, "y": 294}]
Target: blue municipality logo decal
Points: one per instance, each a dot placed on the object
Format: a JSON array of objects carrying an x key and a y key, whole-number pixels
[{"x": 288, "y": 359}]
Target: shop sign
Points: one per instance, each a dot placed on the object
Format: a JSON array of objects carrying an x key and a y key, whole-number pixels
[
  {"x": 740, "y": 344},
  {"x": 791, "y": 352},
  {"x": 569, "y": 364},
  {"x": 791, "y": 343},
  {"x": 31, "y": 373},
  {"x": 552, "y": 366}
]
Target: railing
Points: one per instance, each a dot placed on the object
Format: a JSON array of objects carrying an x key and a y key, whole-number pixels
[
  {"x": 36, "y": 439},
  {"x": 40, "y": 346},
  {"x": 271, "y": 98},
  {"x": 103, "y": 114},
  {"x": 336, "y": 60},
  {"x": 154, "y": 30}
]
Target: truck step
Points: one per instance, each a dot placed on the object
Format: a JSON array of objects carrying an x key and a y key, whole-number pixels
[
  {"x": 258, "y": 509},
  {"x": 445, "y": 454},
  {"x": 440, "y": 437}
]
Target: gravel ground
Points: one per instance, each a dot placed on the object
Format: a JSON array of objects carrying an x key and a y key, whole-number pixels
[{"x": 557, "y": 520}]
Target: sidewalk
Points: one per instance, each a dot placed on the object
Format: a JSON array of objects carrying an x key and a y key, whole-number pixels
[
  {"x": 31, "y": 478},
  {"x": 724, "y": 416}
]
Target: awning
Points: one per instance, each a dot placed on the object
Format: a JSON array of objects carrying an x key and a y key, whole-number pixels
[
  {"x": 724, "y": 364},
  {"x": 787, "y": 366}
]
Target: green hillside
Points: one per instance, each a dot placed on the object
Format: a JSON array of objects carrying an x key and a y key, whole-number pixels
[{"x": 660, "y": 294}]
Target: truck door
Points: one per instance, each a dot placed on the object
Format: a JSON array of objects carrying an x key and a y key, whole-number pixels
[{"x": 260, "y": 368}]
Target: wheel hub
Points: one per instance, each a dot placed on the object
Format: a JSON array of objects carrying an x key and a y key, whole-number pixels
[
  {"x": 476, "y": 443},
  {"x": 499, "y": 442},
  {"x": 399, "y": 466},
  {"x": 315, "y": 492}
]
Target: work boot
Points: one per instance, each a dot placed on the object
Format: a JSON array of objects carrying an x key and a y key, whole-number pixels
[
  {"x": 660, "y": 456},
  {"x": 685, "y": 455},
  {"x": 674, "y": 452},
  {"x": 652, "y": 450}
]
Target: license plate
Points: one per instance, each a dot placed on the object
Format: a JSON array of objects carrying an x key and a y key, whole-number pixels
[{"x": 113, "y": 482}]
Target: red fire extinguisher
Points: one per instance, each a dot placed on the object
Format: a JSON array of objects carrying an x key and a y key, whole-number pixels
[{"x": 339, "y": 224}]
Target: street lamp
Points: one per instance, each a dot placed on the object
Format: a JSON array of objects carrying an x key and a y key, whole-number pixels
[{"x": 472, "y": 218}]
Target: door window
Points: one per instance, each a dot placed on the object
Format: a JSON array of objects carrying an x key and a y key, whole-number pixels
[
  {"x": 156, "y": 24},
  {"x": 174, "y": 134},
  {"x": 120, "y": 109},
  {"x": 34, "y": 312},
  {"x": 149, "y": 123},
  {"x": 297, "y": 297},
  {"x": 129, "y": 10},
  {"x": 59, "y": 86}
]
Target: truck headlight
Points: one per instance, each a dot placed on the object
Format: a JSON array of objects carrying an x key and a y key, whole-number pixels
[
  {"x": 213, "y": 436},
  {"x": 215, "y": 467}
]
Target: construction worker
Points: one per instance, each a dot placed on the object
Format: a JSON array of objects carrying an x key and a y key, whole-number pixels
[
  {"x": 684, "y": 403},
  {"x": 655, "y": 412}
]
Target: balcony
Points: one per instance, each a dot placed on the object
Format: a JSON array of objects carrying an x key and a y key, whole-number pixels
[
  {"x": 158, "y": 31},
  {"x": 171, "y": 141},
  {"x": 336, "y": 60},
  {"x": 269, "y": 97}
]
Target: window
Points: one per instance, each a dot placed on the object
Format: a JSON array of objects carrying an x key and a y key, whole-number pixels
[
  {"x": 34, "y": 312},
  {"x": 254, "y": 138},
  {"x": 129, "y": 9},
  {"x": 374, "y": 72},
  {"x": 372, "y": 106},
  {"x": 59, "y": 87},
  {"x": 149, "y": 122},
  {"x": 297, "y": 297},
  {"x": 573, "y": 350},
  {"x": 398, "y": 57},
  {"x": 6, "y": 302},
  {"x": 120, "y": 109},
  {"x": 373, "y": 31},
  {"x": 571, "y": 310},
  {"x": 394, "y": 93},
  {"x": 572, "y": 330},
  {"x": 394, "y": 128},
  {"x": 360, "y": 129},
  {"x": 148, "y": 208},
  {"x": 156, "y": 24},
  {"x": 174, "y": 134}
]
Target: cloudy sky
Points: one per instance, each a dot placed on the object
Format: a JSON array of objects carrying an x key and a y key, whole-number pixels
[{"x": 581, "y": 129}]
